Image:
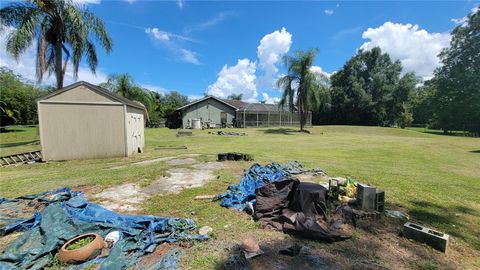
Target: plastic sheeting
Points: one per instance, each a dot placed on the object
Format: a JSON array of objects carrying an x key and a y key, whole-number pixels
[
  {"x": 241, "y": 195},
  {"x": 237, "y": 196},
  {"x": 68, "y": 214}
]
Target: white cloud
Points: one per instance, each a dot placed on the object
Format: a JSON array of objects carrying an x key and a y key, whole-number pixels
[
  {"x": 329, "y": 11},
  {"x": 245, "y": 78},
  {"x": 194, "y": 97},
  {"x": 157, "y": 34},
  {"x": 238, "y": 79},
  {"x": 130, "y": 1},
  {"x": 416, "y": 48},
  {"x": 218, "y": 18},
  {"x": 180, "y": 3},
  {"x": 459, "y": 20},
  {"x": 153, "y": 87},
  {"x": 87, "y": 2},
  {"x": 170, "y": 41},
  {"x": 270, "y": 51},
  {"x": 320, "y": 71},
  {"x": 270, "y": 100},
  {"x": 26, "y": 64},
  {"x": 189, "y": 57},
  {"x": 463, "y": 20}
]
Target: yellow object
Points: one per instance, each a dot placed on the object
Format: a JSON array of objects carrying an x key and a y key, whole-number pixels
[
  {"x": 351, "y": 188},
  {"x": 345, "y": 199}
]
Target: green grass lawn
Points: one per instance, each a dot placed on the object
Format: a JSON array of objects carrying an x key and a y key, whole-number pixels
[{"x": 435, "y": 178}]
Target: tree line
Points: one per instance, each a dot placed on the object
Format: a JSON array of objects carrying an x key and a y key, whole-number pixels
[
  {"x": 18, "y": 99},
  {"x": 371, "y": 89}
]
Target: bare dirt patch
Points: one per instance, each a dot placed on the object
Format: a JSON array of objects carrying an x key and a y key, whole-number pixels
[
  {"x": 150, "y": 161},
  {"x": 181, "y": 161},
  {"x": 128, "y": 197}
]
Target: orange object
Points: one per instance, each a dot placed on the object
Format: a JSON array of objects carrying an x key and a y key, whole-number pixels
[{"x": 85, "y": 253}]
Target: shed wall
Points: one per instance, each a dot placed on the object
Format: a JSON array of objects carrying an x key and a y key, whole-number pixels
[
  {"x": 81, "y": 131},
  {"x": 209, "y": 109}
]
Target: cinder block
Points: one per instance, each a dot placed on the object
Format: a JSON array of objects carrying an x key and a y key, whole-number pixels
[
  {"x": 379, "y": 200},
  {"x": 366, "y": 197},
  {"x": 422, "y": 234}
]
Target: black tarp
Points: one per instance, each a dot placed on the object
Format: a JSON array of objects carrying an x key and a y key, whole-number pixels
[{"x": 300, "y": 209}]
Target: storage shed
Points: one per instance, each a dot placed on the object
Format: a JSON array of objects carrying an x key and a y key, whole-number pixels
[{"x": 85, "y": 121}]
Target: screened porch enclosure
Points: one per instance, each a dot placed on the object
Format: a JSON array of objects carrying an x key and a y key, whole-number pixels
[{"x": 268, "y": 115}]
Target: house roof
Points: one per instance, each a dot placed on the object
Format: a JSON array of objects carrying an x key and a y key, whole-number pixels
[
  {"x": 99, "y": 90},
  {"x": 235, "y": 103},
  {"x": 239, "y": 105},
  {"x": 209, "y": 97}
]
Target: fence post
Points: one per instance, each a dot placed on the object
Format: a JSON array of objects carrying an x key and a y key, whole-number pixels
[{"x": 244, "y": 125}]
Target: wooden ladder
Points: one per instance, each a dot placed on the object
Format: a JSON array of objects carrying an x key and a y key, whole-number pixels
[{"x": 22, "y": 158}]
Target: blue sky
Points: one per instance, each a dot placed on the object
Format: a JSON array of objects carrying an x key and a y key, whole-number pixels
[{"x": 236, "y": 47}]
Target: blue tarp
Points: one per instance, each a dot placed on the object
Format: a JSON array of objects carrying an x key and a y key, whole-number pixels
[
  {"x": 239, "y": 196},
  {"x": 68, "y": 214}
]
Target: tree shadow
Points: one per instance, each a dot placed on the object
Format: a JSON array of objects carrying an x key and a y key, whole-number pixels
[
  {"x": 282, "y": 131},
  {"x": 13, "y": 144},
  {"x": 365, "y": 251},
  {"x": 475, "y": 151},
  {"x": 452, "y": 133},
  {"x": 9, "y": 130},
  {"x": 449, "y": 217}
]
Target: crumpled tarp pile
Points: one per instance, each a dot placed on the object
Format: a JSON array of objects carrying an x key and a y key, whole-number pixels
[
  {"x": 282, "y": 202},
  {"x": 300, "y": 208},
  {"x": 67, "y": 214},
  {"x": 243, "y": 194}
]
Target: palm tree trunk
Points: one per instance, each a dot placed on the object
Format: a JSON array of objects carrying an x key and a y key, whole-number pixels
[{"x": 58, "y": 65}]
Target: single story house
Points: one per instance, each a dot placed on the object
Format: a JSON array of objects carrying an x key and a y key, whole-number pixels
[
  {"x": 85, "y": 121},
  {"x": 216, "y": 112}
]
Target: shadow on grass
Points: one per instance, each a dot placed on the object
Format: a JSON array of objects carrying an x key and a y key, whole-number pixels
[
  {"x": 451, "y": 133},
  {"x": 449, "y": 217},
  {"x": 7, "y": 145},
  {"x": 282, "y": 131},
  {"x": 9, "y": 130},
  {"x": 364, "y": 253},
  {"x": 475, "y": 151}
]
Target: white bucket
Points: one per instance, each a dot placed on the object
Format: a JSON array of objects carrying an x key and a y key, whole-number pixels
[{"x": 196, "y": 123}]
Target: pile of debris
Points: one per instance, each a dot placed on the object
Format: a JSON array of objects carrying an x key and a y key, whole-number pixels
[
  {"x": 234, "y": 157},
  {"x": 326, "y": 211},
  {"x": 61, "y": 215},
  {"x": 229, "y": 133}
]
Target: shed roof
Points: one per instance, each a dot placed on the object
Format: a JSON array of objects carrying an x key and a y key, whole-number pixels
[{"x": 99, "y": 90}]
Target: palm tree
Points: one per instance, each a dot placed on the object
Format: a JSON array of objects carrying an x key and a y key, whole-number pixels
[
  {"x": 60, "y": 28},
  {"x": 124, "y": 85},
  {"x": 300, "y": 85},
  {"x": 121, "y": 84}
]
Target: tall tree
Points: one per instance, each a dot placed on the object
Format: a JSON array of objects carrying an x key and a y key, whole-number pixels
[
  {"x": 235, "y": 97},
  {"x": 60, "y": 28},
  {"x": 369, "y": 90},
  {"x": 17, "y": 99},
  {"x": 300, "y": 84},
  {"x": 124, "y": 85},
  {"x": 457, "y": 82}
]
